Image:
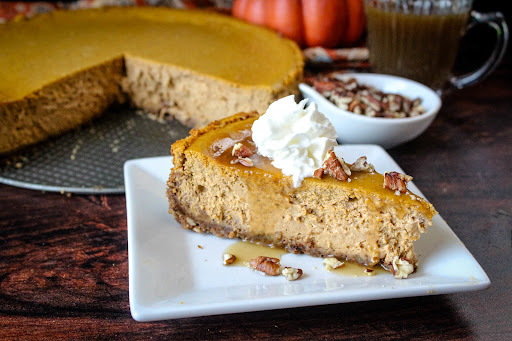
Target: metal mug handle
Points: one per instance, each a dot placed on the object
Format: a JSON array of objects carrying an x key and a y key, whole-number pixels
[{"x": 497, "y": 22}]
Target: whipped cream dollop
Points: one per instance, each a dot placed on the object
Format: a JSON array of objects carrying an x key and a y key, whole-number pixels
[{"x": 295, "y": 138}]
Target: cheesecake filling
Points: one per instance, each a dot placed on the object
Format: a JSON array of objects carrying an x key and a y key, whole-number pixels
[{"x": 294, "y": 137}]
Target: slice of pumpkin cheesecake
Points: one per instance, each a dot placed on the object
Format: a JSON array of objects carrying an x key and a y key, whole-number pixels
[{"x": 222, "y": 184}]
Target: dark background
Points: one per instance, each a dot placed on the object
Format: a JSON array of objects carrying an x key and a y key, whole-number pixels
[
  {"x": 475, "y": 46},
  {"x": 477, "y": 43}
]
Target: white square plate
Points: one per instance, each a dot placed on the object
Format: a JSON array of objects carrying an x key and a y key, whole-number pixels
[{"x": 171, "y": 277}]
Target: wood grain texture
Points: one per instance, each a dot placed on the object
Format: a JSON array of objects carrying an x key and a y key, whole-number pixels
[{"x": 64, "y": 267}]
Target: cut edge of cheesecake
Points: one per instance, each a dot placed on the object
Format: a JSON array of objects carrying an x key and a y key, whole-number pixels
[
  {"x": 195, "y": 99},
  {"x": 395, "y": 255},
  {"x": 60, "y": 106}
]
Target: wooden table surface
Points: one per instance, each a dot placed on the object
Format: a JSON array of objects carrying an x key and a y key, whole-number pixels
[{"x": 64, "y": 260}]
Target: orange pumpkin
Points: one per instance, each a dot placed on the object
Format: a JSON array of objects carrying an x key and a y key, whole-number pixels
[{"x": 327, "y": 23}]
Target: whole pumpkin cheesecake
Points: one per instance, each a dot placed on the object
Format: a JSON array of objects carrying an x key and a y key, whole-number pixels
[
  {"x": 61, "y": 69},
  {"x": 224, "y": 182}
]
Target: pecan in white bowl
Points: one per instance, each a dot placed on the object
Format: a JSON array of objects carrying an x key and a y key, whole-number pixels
[{"x": 363, "y": 125}]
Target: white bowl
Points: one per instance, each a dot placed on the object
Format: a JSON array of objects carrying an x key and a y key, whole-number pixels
[{"x": 386, "y": 132}]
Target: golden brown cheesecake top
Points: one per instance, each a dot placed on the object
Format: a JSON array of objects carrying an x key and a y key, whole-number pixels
[
  {"x": 216, "y": 142},
  {"x": 46, "y": 48}
]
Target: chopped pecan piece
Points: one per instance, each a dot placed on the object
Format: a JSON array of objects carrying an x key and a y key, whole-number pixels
[
  {"x": 332, "y": 263},
  {"x": 292, "y": 274},
  {"x": 395, "y": 102},
  {"x": 337, "y": 168},
  {"x": 228, "y": 259},
  {"x": 318, "y": 173},
  {"x": 352, "y": 106},
  {"x": 351, "y": 84},
  {"x": 247, "y": 162},
  {"x": 267, "y": 265},
  {"x": 396, "y": 181},
  {"x": 323, "y": 85},
  {"x": 373, "y": 103},
  {"x": 241, "y": 151},
  {"x": 342, "y": 101},
  {"x": 358, "y": 110},
  {"x": 401, "y": 268},
  {"x": 361, "y": 165}
]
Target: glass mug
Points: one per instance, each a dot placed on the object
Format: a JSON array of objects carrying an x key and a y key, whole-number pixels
[{"x": 419, "y": 39}]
